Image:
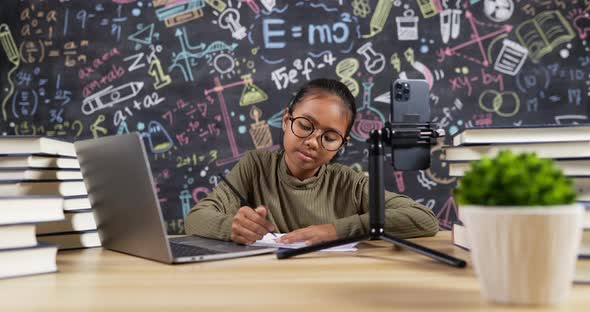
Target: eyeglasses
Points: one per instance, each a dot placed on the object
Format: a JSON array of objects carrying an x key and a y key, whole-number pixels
[{"x": 303, "y": 128}]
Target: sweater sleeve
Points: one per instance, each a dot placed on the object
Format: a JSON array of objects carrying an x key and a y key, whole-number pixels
[
  {"x": 212, "y": 216},
  {"x": 403, "y": 217}
]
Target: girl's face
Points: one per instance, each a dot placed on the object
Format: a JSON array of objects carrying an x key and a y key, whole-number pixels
[{"x": 304, "y": 156}]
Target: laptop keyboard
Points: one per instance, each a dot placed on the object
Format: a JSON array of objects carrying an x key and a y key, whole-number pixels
[{"x": 179, "y": 250}]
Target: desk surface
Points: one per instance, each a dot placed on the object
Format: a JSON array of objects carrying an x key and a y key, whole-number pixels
[{"x": 377, "y": 277}]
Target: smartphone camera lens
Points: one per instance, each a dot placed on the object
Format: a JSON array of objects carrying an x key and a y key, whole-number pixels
[{"x": 401, "y": 91}]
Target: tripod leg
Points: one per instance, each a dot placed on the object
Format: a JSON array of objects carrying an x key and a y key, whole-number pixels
[
  {"x": 437, "y": 255},
  {"x": 288, "y": 253}
]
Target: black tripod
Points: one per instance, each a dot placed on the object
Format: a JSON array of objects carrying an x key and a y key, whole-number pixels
[{"x": 405, "y": 137}]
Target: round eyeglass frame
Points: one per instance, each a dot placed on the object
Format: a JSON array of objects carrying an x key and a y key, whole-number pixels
[{"x": 313, "y": 129}]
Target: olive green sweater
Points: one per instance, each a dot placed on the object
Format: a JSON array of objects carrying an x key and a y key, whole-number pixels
[{"x": 336, "y": 194}]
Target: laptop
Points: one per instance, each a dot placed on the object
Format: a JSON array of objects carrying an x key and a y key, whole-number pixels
[{"x": 121, "y": 190}]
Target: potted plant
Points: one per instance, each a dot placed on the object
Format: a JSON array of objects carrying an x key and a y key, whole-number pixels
[{"x": 523, "y": 226}]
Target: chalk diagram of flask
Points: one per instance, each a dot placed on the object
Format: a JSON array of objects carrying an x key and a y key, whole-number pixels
[{"x": 110, "y": 96}]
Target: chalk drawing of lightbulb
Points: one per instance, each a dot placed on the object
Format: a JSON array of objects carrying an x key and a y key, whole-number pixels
[{"x": 230, "y": 19}]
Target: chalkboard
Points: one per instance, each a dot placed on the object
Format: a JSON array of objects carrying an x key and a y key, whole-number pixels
[{"x": 205, "y": 81}]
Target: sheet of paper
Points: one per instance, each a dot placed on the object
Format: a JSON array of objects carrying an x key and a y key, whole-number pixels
[{"x": 270, "y": 241}]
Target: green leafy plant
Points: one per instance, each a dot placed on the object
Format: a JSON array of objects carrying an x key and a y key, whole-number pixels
[{"x": 514, "y": 180}]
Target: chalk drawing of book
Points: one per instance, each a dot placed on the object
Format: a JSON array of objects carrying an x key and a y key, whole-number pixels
[{"x": 543, "y": 33}]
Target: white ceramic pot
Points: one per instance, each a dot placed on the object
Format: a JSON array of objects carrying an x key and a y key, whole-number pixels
[{"x": 524, "y": 255}]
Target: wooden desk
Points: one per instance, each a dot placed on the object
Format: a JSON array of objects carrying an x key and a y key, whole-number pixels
[{"x": 374, "y": 278}]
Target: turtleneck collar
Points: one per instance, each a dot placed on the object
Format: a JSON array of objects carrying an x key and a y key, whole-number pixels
[{"x": 293, "y": 182}]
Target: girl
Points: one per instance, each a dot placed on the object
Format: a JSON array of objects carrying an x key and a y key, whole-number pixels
[{"x": 297, "y": 190}]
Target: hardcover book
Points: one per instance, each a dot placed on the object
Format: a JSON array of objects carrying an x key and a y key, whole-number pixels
[
  {"x": 526, "y": 134},
  {"x": 570, "y": 167},
  {"x": 30, "y": 209},
  {"x": 28, "y": 174},
  {"x": 42, "y": 187},
  {"x": 39, "y": 161},
  {"x": 72, "y": 240},
  {"x": 28, "y": 261},
  {"x": 17, "y": 235},
  {"x": 16, "y": 144},
  {"x": 74, "y": 221},
  {"x": 556, "y": 150}
]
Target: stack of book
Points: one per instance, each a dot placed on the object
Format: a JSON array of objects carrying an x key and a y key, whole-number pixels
[
  {"x": 43, "y": 168},
  {"x": 567, "y": 145},
  {"x": 20, "y": 252},
  {"x": 77, "y": 230}
]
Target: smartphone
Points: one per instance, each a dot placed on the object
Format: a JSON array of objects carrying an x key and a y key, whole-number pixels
[{"x": 410, "y": 103}]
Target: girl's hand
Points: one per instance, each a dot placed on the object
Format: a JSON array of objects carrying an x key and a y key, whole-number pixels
[
  {"x": 311, "y": 235},
  {"x": 249, "y": 225}
]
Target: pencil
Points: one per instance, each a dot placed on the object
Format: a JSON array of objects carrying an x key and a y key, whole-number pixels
[{"x": 243, "y": 201}]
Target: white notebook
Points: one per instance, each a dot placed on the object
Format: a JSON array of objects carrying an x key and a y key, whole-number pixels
[{"x": 270, "y": 241}]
